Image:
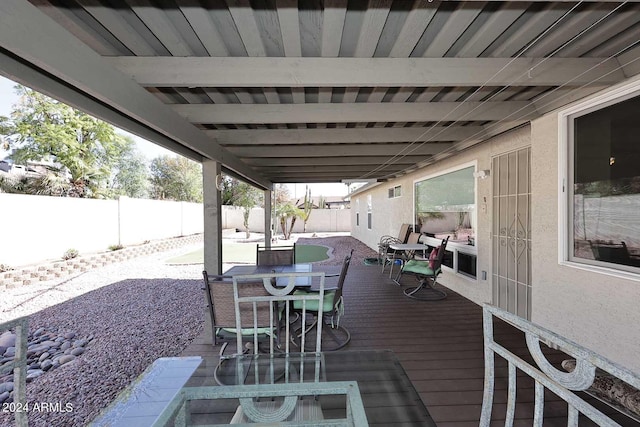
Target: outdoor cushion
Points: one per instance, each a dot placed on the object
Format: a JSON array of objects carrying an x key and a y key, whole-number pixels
[
  {"x": 327, "y": 303},
  {"x": 231, "y": 332},
  {"x": 418, "y": 267},
  {"x": 433, "y": 257}
]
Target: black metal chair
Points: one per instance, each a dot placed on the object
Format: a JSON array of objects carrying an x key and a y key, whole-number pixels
[
  {"x": 427, "y": 273},
  {"x": 334, "y": 335},
  {"x": 276, "y": 255},
  {"x": 384, "y": 251}
]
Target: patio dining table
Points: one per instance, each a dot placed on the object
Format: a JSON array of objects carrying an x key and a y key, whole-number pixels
[
  {"x": 301, "y": 282},
  {"x": 384, "y": 395}
]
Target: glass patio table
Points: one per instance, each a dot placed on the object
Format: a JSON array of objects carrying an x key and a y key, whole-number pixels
[
  {"x": 301, "y": 282},
  {"x": 384, "y": 393}
]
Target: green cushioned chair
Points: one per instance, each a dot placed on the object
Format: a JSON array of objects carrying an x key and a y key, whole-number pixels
[
  {"x": 334, "y": 335},
  {"x": 426, "y": 272},
  {"x": 219, "y": 293}
]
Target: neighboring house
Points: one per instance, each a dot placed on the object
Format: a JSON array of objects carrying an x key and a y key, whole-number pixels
[
  {"x": 325, "y": 202},
  {"x": 543, "y": 220},
  {"x": 5, "y": 166}
]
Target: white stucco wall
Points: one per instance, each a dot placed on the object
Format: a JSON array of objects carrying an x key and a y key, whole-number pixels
[
  {"x": 595, "y": 309},
  {"x": 320, "y": 220},
  {"x": 38, "y": 228},
  {"x": 389, "y": 214}
]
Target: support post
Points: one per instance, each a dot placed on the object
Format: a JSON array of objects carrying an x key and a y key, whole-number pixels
[
  {"x": 212, "y": 217},
  {"x": 267, "y": 217},
  {"x": 212, "y": 228}
]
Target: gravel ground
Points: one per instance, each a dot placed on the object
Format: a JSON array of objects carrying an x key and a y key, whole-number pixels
[{"x": 136, "y": 311}]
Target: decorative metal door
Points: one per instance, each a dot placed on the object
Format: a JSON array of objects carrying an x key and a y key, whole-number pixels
[{"x": 512, "y": 232}]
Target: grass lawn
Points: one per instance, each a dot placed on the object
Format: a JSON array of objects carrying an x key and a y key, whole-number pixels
[{"x": 245, "y": 253}]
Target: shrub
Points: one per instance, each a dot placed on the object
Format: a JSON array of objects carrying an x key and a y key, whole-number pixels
[
  {"x": 5, "y": 267},
  {"x": 116, "y": 247},
  {"x": 70, "y": 254}
]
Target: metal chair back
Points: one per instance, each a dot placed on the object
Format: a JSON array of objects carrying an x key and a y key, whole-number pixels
[
  {"x": 276, "y": 255},
  {"x": 278, "y": 300},
  {"x": 219, "y": 294}
]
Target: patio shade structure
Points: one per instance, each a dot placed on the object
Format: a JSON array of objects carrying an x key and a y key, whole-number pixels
[{"x": 302, "y": 91}]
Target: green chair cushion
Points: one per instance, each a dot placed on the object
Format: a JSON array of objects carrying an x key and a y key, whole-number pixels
[
  {"x": 327, "y": 303},
  {"x": 419, "y": 267},
  {"x": 245, "y": 331}
]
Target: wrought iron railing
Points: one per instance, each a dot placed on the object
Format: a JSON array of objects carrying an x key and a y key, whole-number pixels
[{"x": 563, "y": 384}]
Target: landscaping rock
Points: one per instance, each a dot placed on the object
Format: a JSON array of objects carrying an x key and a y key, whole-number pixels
[
  {"x": 45, "y": 351},
  {"x": 8, "y": 339}
]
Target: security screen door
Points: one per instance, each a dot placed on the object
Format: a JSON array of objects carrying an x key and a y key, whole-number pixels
[{"x": 511, "y": 233}]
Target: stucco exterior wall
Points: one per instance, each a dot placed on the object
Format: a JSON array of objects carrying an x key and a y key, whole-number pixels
[
  {"x": 595, "y": 309},
  {"x": 389, "y": 214}
]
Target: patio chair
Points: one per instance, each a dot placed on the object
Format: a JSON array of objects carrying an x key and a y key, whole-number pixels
[
  {"x": 393, "y": 255},
  {"x": 276, "y": 255},
  {"x": 335, "y": 336},
  {"x": 609, "y": 251},
  {"x": 386, "y": 240},
  {"x": 278, "y": 302},
  {"x": 219, "y": 294},
  {"x": 425, "y": 272}
]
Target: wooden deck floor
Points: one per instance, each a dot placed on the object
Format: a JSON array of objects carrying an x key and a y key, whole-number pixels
[{"x": 440, "y": 345}]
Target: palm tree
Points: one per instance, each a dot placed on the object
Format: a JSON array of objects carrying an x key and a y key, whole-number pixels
[{"x": 285, "y": 213}]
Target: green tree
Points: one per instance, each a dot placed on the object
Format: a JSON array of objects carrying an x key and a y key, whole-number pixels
[
  {"x": 247, "y": 197},
  {"x": 43, "y": 129},
  {"x": 176, "y": 178},
  {"x": 287, "y": 215},
  {"x": 129, "y": 176}
]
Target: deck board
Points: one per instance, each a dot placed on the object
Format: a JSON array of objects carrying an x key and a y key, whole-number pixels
[{"x": 440, "y": 345}]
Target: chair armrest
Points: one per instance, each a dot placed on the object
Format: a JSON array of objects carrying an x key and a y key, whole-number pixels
[{"x": 314, "y": 291}]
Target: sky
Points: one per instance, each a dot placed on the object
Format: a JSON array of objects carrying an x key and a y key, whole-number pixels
[{"x": 8, "y": 98}]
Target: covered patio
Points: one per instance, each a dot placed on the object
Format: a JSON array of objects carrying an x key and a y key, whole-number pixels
[
  {"x": 440, "y": 346},
  {"x": 389, "y": 92}
]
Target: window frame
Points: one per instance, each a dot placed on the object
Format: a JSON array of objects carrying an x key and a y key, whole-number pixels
[
  {"x": 565, "y": 180},
  {"x": 395, "y": 192},
  {"x": 453, "y": 247},
  {"x": 369, "y": 212}
]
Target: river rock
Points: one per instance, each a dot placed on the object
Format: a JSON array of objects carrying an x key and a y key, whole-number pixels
[
  {"x": 77, "y": 351},
  {"x": 4, "y": 396},
  {"x": 10, "y": 352},
  {"x": 66, "y": 358},
  {"x": 8, "y": 387},
  {"x": 34, "y": 373},
  {"x": 8, "y": 339}
]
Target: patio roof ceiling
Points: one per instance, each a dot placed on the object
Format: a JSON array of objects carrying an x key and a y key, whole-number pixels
[{"x": 318, "y": 91}]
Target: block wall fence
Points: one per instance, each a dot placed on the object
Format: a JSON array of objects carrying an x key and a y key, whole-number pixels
[{"x": 34, "y": 229}]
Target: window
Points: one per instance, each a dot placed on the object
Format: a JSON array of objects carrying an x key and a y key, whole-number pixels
[
  {"x": 604, "y": 185},
  {"x": 357, "y": 212},
  {"x": 445, "y": 205},
  {"x": 395, "y": 192},
  {"x": 369, "y": 211}
]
